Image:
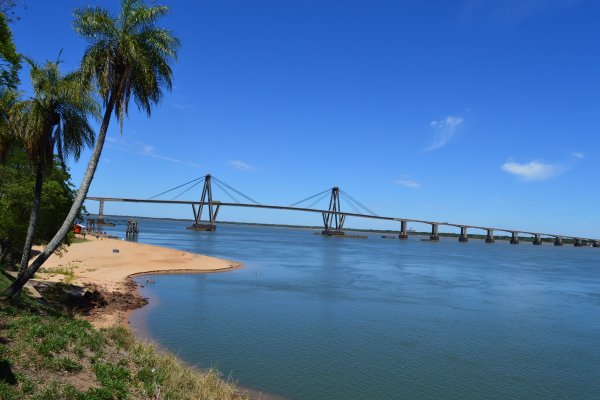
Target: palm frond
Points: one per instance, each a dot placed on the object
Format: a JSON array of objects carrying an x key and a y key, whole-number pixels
[{"x": 131, "y": 60}]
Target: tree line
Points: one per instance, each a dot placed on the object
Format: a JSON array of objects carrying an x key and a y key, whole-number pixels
[{"x": 128, "y": 57}]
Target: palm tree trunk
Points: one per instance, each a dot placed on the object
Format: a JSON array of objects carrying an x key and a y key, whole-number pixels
[
  {"x": 59, "y": 237},
  {"x": 33, "y": 217}
]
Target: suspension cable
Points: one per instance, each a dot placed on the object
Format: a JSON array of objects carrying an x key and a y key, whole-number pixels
[
  {"x": 311, "y": 197},
  {"x": 227, "y": 192},
  {"x": 369, "y": 211},
  {"x": 324, "y": 196},
  {"x": 187, "y": 190},
  {"x": 236, "y": 191},
  {"x": 351, "y": 205},
  {"x": 176, "y": 187}
]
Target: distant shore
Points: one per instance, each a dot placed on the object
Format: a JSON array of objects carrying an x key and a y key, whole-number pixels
[{"x": 475, "y": 236}]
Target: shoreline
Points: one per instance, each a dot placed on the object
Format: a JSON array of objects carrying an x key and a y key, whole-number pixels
[
  {"x": 96, "y": 267},
  {"x": 109, "y": 267}
]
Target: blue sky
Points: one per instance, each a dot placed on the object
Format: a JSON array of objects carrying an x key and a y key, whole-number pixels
[{"x": 473, "y": 111}]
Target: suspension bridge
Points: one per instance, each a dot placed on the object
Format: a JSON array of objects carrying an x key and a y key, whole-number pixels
[{"x": 333, "y": 217}]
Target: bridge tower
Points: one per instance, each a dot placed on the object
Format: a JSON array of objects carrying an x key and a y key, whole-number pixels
[
  {"x": 333, "y": 222},
  {"x": 206, "y": 199}
]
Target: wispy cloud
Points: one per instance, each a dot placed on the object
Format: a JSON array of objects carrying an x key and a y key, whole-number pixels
[
  {"x": 533, "y": 170},
  {"x": 578, "y": 155},
  {"x": 444, "y": 129},
  {"x": 407, "y": 182},
  {"x": 242, "y": 166},
  {"x": 146, "y": 150}
]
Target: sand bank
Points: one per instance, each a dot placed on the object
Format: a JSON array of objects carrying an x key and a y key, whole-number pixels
[{"x": 109, "y": 264}]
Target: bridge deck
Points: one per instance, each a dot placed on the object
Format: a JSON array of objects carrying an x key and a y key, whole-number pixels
[{"x": 313, "y": 210}]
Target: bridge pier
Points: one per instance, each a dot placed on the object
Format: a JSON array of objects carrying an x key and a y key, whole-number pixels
[
  {"x": 435, "y": 237},
  {"x": 490, "y": 236},
  {"x": 333, "y": 222},
  {"x": 100, "y": 221},
  {"x": 206, "y": 197},
  {"x": 101, "y": 212},
  {"x": 537, "y": 240},
  {"x": 514, "y": 238},
  {"x": 403, "y": 230},
  {"x": 578, "y": 243},
  {"x": 464, "y": 237},
  {"x": 558, "y": 241}
]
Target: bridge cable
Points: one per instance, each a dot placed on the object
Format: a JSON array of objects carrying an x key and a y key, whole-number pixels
[
  {"x": 176, "y": 187},
  {"x": 356, "y": 210},
  {"x": 227, "y": 192},
  {"x": 187, "y": 190},
  {"x": 346, "y": 194},
  {"x": 324, "y": 196},
  {"x": 235, "y": 190},
  {"x": 311, "y": 197}
]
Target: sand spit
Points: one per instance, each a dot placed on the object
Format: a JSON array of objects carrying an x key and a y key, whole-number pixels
[{"x": 107, "y": 265}]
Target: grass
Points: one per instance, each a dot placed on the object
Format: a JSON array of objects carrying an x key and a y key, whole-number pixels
[
  {"x": 46, "y": 354},
  {"x": 67, "y": 271}
]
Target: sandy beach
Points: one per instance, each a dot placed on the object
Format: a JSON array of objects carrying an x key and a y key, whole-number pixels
[{"x": 109, "y": 264}]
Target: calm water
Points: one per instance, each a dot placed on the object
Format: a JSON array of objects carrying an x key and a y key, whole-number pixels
[{"x": 319, "y": 318}]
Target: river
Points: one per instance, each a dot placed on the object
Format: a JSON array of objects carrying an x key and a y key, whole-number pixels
[{"x": 320, "y": 318}]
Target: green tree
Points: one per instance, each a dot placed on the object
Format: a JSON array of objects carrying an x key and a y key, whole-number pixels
[
  {"x": 56, "y": 117},
  {"x": 17, "y": 179},
  {"x": 128, "y": 56},
  {"x": 10, "y": 61}
]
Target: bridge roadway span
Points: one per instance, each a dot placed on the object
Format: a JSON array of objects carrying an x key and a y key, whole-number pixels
[{"x": 341, "y": 213}]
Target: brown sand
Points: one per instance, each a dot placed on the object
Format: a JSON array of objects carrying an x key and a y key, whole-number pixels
[{"x": 109, "y": 264}]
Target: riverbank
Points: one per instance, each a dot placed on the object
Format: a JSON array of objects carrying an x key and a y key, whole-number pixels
[
  {"x": 47, "y": 352},
  {"x": 107, "y": 266}
]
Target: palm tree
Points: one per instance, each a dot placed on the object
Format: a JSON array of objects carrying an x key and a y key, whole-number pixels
[
  {"x": 56, "y": 117},
  {"x": 128, "y": 56}
]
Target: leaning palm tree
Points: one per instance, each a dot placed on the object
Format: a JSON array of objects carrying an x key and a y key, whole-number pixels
[
  {"x": 128, "y": 56},
  {"x": 56, "y": 117}
]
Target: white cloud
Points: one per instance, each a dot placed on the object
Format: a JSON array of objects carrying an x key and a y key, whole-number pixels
[
  {"x": 444, "y": 131},
  {"x": 579, "y": 155},
  {"x": 241, "y": 165},
  {"x": 146, "y": 150},
  {"x": 409, "y": 183},
  {"x": 533, "y": 170}
]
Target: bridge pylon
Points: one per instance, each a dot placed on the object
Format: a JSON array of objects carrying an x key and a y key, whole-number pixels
[
  {"x": 333, "y": 222},
  {"x": 206, "y": 199}
]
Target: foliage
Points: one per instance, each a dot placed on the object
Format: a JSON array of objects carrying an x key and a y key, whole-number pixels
[
  {"x": 56, "y": 117},
  {"x": 127, "y": 55},
  {"x": 16, "y": 192},
  {"x": 10, "y": 61},
  {"x": 45, "y": 354}
]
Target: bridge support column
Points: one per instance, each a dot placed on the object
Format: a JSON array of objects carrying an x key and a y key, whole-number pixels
[
  {"x": 490, "y": 236},
  {"x": 514, "y": 238},
  {"x": 578, "y": 243},
  {"x": 463, "y": 238},
  {"x": 434, "y": 233},
  {"x": 537, "y": 240},
  {"x": 101, "y": 212},
  {"x": 403, "y": 231},
  {"x": 333, "y": 222},
  {"x": 205, "y": 199},
  {"x": 558, "y": 241}
]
